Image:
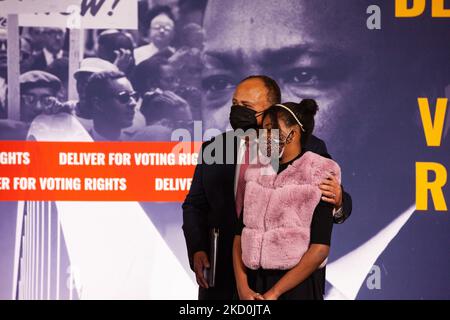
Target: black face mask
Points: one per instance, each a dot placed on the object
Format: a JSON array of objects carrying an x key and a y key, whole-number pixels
[{"x": 243, "y": 118}]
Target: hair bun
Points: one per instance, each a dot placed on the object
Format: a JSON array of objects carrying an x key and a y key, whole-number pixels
[{"x": 309, "y": 106}]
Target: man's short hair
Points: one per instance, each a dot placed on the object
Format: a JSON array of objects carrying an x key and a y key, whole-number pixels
[
  {"x": 274, "y": 91},
  {"x": 113, "y": 39},
  {"x": 156, "y": 11},
  {"x": 192, "y": 5},
  {"x": 99, "y": 83}
]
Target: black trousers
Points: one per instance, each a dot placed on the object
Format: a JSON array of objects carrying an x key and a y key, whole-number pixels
[
  {"x": 223, "y": 292},
  {"x": 312, "y": 288}
]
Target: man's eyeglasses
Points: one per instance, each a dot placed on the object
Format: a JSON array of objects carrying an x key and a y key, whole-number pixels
[
  {"x": 45, "y": 100},
  {"x": 125, "y": 96},
  {"x": 162, "y": 28}
]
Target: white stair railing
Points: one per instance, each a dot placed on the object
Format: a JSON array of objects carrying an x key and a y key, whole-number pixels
[{"x": 36, "y": 256}]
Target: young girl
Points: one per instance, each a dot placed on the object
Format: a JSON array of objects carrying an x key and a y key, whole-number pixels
[{"x": 283, "y": 238}]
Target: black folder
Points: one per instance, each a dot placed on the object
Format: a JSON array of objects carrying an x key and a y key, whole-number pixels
[{"x": 211, "y": 271}]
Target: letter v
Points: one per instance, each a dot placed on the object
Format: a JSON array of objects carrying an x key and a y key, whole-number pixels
[{"x": 433, "y": 129}]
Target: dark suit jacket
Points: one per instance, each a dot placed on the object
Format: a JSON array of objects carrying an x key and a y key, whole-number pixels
[
  {"x": 39, "y": 62},
  {"x": 318, "y": 146},
  {"x": 210, "y": 203}
]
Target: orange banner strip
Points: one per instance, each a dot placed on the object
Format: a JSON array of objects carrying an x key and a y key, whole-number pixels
[{"x": 96, "y": 171}]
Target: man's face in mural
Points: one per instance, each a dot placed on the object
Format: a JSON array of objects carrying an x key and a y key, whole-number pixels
[{"x": 311, "y": 48}]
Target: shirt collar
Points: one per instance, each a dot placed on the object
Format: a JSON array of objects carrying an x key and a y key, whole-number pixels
[{"x": 49, "y": 56}]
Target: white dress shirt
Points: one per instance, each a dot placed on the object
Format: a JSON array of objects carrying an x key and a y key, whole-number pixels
[
  {"x": 3, "y": 90},
  {"x": 146, "y": 51},
  {"x": 49, "y": 58}
]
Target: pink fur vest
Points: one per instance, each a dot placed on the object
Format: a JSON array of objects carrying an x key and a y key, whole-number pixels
[{"x": 278, "y": 210}]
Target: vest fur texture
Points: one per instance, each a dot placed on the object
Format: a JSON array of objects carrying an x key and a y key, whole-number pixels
[{"x": 278, "y": 209}]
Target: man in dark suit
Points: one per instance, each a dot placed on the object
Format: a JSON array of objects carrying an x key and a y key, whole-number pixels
[
  {"x": 211, "y": 200},
  {"x": 52, "y": 49}
]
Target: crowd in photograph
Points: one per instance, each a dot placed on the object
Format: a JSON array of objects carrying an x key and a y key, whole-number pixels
[{"x": 131, "y": 85}]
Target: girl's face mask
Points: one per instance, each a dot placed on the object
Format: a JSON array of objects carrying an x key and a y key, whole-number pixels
[{"x": 271, "y": 139}]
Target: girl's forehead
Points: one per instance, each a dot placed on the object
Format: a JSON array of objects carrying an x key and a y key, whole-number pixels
[{"x": 269, "y": 121}]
